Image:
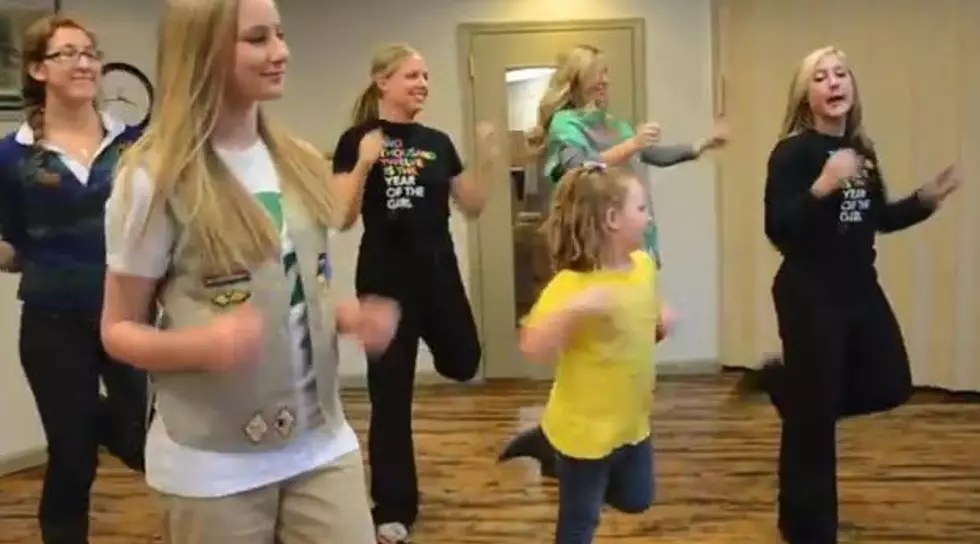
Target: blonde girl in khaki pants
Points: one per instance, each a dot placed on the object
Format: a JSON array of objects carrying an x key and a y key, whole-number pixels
[{"x": 220, "y": 219}]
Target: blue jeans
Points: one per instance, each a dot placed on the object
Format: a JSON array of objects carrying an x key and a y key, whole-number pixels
[{"x": 623, "y": 480}]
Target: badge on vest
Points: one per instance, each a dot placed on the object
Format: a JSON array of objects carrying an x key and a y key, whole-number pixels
[
  {"x": 256, "y": 428},
  {"x": 226, "y": 295},
  {"x": 225, "y": 280},
  {"x": 323, "y": 270},
  {"x": 230, "y": 297},
  {"x": 285, "y": 423}
]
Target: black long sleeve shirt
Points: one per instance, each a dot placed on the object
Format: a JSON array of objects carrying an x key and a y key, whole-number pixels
[{"x": 832, "y": 238}]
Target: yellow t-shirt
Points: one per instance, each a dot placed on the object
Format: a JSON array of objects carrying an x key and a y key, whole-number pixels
[{"x": 603, "y": 389}]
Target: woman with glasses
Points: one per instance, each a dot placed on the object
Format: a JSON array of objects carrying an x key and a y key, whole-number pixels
[{"x": 56, "y": 173}]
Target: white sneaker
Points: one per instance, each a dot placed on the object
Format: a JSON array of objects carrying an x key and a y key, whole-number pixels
[{"x": 392, "y": 533}]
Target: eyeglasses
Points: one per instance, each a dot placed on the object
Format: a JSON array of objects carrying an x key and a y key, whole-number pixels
[{"x": 74, "y": 55}]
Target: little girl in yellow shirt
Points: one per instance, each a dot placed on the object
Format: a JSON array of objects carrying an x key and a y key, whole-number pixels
[{"x": 596, "y": 321}]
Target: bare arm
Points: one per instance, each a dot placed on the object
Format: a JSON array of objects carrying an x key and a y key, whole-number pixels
[
  {"x": 349, "y": 187},
  {"x": 542, "y": 342},
  {"x": 470, "y": 189},
  {"x": 471, "y": 186},
  {"x": 573, "y": 156},
  {"x": 128, "y": 336},
  {"x": 353, "y": 159},
  {"x": 620, "y": 153}
]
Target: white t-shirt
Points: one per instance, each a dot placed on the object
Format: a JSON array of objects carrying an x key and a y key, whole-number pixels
[{"x": 179, "y": 470}]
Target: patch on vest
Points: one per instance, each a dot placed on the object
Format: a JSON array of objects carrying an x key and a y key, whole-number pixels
[
  {"x": 284, "y": 423},
  {"x": 226, "y": 279},
  {"x": 256, "y": 428},
  {"x": 323, "y": 269},
  {"x": 230, "y": 297}
]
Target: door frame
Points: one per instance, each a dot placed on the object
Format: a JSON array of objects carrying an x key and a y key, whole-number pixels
[
  {"x": 477, "y": 229},
  {"x": 720, "y": 30},
  {"x": 732, "y": 263}
]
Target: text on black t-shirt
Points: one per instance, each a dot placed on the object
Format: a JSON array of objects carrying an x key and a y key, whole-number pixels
[{"x": 408, "y": 188}]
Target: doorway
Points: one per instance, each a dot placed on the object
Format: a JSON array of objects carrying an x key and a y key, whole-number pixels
[{"x": 507, "y": 67}]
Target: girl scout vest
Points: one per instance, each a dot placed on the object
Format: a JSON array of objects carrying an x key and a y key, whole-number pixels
[{"x": 253, "y": 408}]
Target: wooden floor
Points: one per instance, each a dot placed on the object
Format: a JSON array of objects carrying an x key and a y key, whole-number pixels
[{"x": 912, "y": 476}]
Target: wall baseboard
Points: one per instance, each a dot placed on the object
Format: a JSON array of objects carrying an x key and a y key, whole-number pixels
[
  {"x": 19, "y": 461},
  {"x": 696, "y": 367},
  {"x": 16, "y": 462},
  {"x": 431, "y": 377}
]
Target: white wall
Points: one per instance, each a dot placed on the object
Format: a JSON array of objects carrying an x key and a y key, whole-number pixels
[
  {"x": 331, "y": 43},
  {"x": 523, "y": 98}
]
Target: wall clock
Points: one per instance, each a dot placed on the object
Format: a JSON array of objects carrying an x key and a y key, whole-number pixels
[{"x": 128, "y": 93}]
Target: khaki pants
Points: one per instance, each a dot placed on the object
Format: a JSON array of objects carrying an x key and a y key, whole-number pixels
[{"x": 329, "y": 505}]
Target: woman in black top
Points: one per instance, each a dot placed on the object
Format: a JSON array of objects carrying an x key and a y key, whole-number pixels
[
  {"x": 843, "y": 351},
  {"x": 399, "y": 176}
]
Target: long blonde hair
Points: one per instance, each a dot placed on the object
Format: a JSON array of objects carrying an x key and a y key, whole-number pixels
[
  {"x": 225, "y": 225},
  {"x": 799, "y": 115},
  {"x": 575, "y": 229},
  {"x": 566, "y": 89},
  {"x": 384, "y": 63}
]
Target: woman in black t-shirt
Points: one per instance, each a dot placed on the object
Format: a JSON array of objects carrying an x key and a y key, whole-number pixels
[
  {"x": 399, "y": 176},
  {"x": 843, "y": 351}
]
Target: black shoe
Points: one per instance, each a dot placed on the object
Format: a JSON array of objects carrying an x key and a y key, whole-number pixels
[
  {"x": 765, "y": 382},
  {"x": 534, "y": 444},
  {"x": 758, "y": 382},
  {"x": 549, "y": 467}
]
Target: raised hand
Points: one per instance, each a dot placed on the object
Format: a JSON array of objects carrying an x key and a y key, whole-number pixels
[
  {"x": 842, "y": 164},
  {"x": 488, "y": 141},
  {"x": 8, "y": 258},
  {"x": 646, "y": 135},
  {"x": 944, "y": 184},
  {"x": 719, "y": 136},
  {"x": 371, "y": 146},
  {"x": 665, "y": 323}
]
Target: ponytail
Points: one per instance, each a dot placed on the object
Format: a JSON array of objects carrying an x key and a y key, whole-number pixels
[
  {"x": 366, "y": 107},
  {"x": 34, "y": 116}
]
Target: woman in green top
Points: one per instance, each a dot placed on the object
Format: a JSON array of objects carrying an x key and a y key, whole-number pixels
[{"x": 574, "y": 127}]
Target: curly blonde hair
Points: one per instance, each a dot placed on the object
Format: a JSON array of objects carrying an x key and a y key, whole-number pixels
[{"x": 575, "y": 229}]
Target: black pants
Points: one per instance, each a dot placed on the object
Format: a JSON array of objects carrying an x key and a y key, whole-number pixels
[
  {"x": 63, "y": 360},
  {"x": 426, "y": 282},
  {"x": 843, "y": 357}
]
